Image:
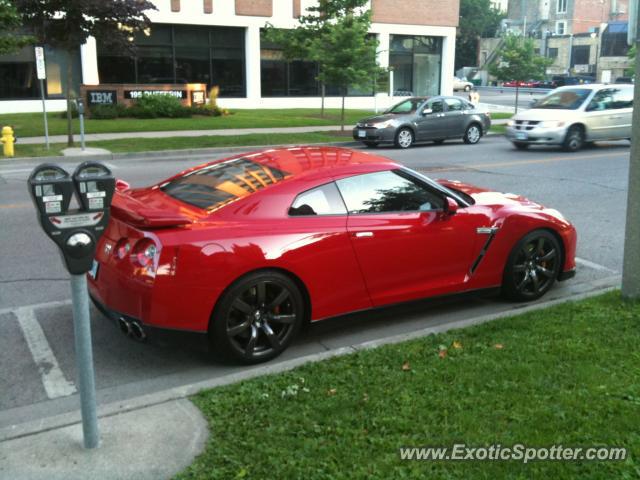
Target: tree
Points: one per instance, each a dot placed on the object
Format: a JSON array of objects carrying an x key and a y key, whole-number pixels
[
  {"x": 315, "y": 38},
  {"x": 10, "y": 39},
  {"x": 518, "y": 61},
  {"x": 478, "y": 18},
  {"x": 66, "y": 25}
]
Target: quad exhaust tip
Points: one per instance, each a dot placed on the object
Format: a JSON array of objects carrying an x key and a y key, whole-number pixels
[
  {"x": 125, "y": 326},
  {"x": 132, "y": 329}
]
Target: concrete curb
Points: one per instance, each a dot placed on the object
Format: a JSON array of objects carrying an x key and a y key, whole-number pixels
[{"x": 63, "y": 420}]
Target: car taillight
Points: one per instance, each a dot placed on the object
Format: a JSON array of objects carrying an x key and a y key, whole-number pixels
[
  {"x": 122, "y": 248},
  {"x": 144, "y": 253}
]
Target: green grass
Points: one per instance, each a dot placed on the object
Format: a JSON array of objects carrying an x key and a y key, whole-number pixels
[
  {"x": 31, "y": 124},
  {"x": 498, "y": 129},
  {"x": 501, "y": 115},
  {"x": 565, "y": 375}
]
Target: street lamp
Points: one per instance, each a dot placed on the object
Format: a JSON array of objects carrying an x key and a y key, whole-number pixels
[{"x": 594, "y": 35}]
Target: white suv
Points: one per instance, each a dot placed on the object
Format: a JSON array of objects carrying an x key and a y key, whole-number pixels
[{"x": 574, "y": 115}]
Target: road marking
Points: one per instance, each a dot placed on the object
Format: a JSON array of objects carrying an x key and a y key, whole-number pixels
[
  {"x": 36, "y": 306},
  {"x": 546, "y": 160},
  {"x": 54, "y": 381},
  {"x": 16, "y": 205},
  {"x": 595, "y": 266}
]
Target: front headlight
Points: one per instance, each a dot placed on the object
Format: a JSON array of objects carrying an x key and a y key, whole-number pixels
[
  {"x": 384, "y": 124},
  {"x": 511, "y": 123},
  {"x": 551, "y": 124}
]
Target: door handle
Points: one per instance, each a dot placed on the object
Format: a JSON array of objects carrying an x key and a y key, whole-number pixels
[{"x": 364, "y": 234}]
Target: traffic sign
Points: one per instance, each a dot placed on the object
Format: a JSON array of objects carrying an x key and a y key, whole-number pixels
[{"x": 40, "y": 65}]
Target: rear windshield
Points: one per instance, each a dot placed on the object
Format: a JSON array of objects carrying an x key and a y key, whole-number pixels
[
  {"x": 214, "y": 186},
  {"x": 567, "y": 99}
]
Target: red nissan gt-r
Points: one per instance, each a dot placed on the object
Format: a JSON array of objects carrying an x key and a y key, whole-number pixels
[{"x": 244, "y": 250}]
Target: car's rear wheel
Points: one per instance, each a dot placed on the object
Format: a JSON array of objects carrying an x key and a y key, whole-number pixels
[
  {"x": 467, "y": 88},
  {"x": 257, "y": 317},
  {"x": 520, "y": 145},
  {"x": 574, "y": 139},
  {"x": 404, "y": 138},
  {"x": 473, "y": 134},
  {"x": 532, "y": 267},
  {"x": 371, "y": 144}
]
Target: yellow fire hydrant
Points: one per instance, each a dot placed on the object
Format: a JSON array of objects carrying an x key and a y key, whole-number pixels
[{"x": 7, "y": 141}]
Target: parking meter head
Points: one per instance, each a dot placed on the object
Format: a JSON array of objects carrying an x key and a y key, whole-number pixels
[
  {"x": 80, "y": 106},
  {"x": 51, "y": 189},
  {"x": 95, "y": 185}
]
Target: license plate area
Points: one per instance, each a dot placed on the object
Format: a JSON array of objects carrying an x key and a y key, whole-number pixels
[
  {"x": 522, "y": 135},
  {"x": 362, "y": 133}
]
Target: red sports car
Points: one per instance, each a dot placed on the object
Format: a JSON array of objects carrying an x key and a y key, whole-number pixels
[{"x": 242, "y": 251}]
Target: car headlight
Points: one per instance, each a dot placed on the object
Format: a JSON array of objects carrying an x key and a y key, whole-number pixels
[
  {"x": 359, "y": 125},
  {"x": 551, "y": 124},
  {"x": 384, "y": 124},
  {"x": 511, "y": 123}
]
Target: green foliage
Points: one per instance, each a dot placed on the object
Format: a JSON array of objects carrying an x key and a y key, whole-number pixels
[
  {"x": 74, "y": 111},
  {"x": 478, "y": 18},
  {"x": 631, "y": 55},
  {"x": 158, "y": 106},
  {"x": 10, "y": 22},
  {"x": 108, "y": 112},
  {"x": 517, "y": 60}
]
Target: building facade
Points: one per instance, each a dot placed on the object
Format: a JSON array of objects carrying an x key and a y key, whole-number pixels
[{"x": 219, "y": 42}]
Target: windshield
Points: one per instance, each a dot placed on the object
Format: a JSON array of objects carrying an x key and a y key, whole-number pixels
[
  {"x": 569, "y": 99},
  {"x": 407, "y": 106},
  {"x": 219, "y": 184}
]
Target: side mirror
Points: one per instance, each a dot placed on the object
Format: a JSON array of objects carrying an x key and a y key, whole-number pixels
[
  {"x": 452, "y": 206},
  {"x": 427, "y": 111}
]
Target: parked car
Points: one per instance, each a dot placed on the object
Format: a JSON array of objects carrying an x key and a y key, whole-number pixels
[
  {"x": 624, "y": 80},
  {"x": 461, "y": 84},
  {"x": 420, "y": 119},
  {"x": 564, "y": 80},
  {"x": 574, "y": 115},
  {"x": 519, "y": 83},
  {"x": 240, "y": 252},
  {"x": 543, "y": 84}
]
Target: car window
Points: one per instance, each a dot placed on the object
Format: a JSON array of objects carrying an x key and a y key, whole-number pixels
[
  {"x": 602, "y": 100},
  {"x": 568, "y": 99},
  {"x": 388, "y": 191},
  {"x": 453, "y": 105},
  {"x": 623, "y": 98},
  {"x": 216, "y": 185},
  {"x": 324, "y": 200},
  {"x": 408, "y": 106},
  {"x": 437, "y": 105}
]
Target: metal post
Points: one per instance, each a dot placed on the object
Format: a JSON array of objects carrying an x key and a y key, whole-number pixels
[
  {"x": 82, "y": 144},
  {"x": 631, "y": 261},
  {"x": 44, "y": 114},
  {"x": 84, "y": 360}
]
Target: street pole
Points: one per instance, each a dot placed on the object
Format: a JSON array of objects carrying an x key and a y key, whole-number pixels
[
  {"x": 631, "y": 261},
  {"x": 44, "y": 114},
  {"x": 84, "y": 360}
]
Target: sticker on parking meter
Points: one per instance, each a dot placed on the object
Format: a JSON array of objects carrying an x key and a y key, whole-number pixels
[
  {"x": 96, "y": 203},
  {"x": 52, "y": 198},
  {"x": 52, "y": 207},
  {"x": 72, "y": 221}
]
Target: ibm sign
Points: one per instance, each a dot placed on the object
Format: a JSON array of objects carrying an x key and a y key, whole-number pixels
[{"x": 102, "y": 97}]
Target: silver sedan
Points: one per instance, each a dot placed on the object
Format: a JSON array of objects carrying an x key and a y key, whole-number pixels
[{"x": 420, "y": 119}]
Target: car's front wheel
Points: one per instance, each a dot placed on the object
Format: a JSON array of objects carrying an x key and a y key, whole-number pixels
[
  {"x": 532, "y": 267},
  {"x": 404, "y": 138},
  {"x": 574, "y": 139},
  {"x": 467, "y": 88},
  {"x": 257, "y": 317},
  {"x": 473, "y": 134}
]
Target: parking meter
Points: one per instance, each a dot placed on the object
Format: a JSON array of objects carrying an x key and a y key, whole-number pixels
[
  {"x": 76, "y": 232},
  {"x": 80, "y": 106}
]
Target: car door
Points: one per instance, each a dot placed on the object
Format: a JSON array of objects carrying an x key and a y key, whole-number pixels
[
  {"x": 622, "y": 111},
  {"x": 407, "y": 246},
  {"x": 602, "y": 119},
  {"x": 431, "y": 125},
  {"x": 454, "y": 117}
]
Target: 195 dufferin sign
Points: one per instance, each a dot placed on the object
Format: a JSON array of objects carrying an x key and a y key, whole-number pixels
[
  {"x": 102, "y": 97},
  {"x": 135, "y": 94}
]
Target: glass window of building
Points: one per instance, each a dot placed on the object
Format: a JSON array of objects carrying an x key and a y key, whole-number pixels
[
  {"x": 19, "y": 79},
  {"x": 416, "y": 63},
  {"x": 180, "y": 54},
  {"x": 614, "y": 40}
]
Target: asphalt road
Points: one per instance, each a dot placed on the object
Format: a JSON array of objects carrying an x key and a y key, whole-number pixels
[{"x": 36, "y": 343}]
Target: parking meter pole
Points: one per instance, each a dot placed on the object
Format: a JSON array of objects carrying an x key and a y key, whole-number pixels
[
  {"x": 84, "y": 360},
  {"x": 82, "y": 145},
  {"x": 44, "y": 114}
]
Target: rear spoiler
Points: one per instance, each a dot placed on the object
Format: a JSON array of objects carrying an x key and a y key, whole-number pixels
[{"x": 134, "y": 212}]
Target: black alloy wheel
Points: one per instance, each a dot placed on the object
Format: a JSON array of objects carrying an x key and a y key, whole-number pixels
[
  {"x": 532, "y": 267},
  {"x": 257, "y": 318}
]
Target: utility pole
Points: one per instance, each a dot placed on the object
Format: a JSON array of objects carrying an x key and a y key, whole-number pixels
[{"x": 631, "y": 262}]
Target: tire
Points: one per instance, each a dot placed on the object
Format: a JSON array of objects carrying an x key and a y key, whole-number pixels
[
  {"x": 520, "y": 145},
  {"x": 574, "y": 139},
  {"x": 473, "y": 134},
  {"x": 257, "y": 318},
  {"x": 532, "y": 266},
  {"x": 404, "y": 138},
  {"x": 467, "y": 88},
  {"x": 439, "y": 141},
  {"x": 371, "y": 144}
]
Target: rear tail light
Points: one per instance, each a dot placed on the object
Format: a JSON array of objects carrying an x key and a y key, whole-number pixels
[
  {"x": 122, "y": 248},
  {"x": 144, "y": 254}
]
